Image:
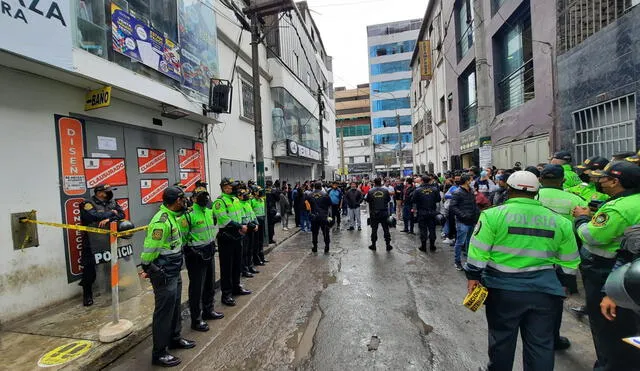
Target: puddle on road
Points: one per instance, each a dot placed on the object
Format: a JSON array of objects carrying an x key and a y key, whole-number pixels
[{"x": 306, "y": 342}]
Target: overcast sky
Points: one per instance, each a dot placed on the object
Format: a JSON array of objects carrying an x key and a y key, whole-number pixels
[{"x": 343, "y": 28}]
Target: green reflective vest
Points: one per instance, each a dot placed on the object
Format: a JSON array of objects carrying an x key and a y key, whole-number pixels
[
  {"x": 571, "y": 179},
  {"x": 603, "y": 234},
  {"x": 560, "y": 201},
  {"x": 258, "y": 205},
  {"x": 164, "y": 235},
  {"x": 249, "y": 215},
  {"x": 588, "y": 192},
  {"x": 202, "y": 230},
  {"x": 227, "y": 210},
  {"x": 523, "y": 236}
]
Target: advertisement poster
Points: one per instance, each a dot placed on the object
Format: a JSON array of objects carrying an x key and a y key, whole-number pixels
[
  {"x": 109, "y": 171},
  {"x": 74, "y": 238},
  {"x": 189, "y": 180},
  {"x": 144, "y": 44},
  {"x": 124, "y": 204},
  {"x": 40, "y": 30},
  {"x": 152, "y": 161},
  {"x": 189, "y": 159},
  {"x": 151, "y": 190},
  {"x": 199, "y": 41},
  {"x": 199, "y": 146}
]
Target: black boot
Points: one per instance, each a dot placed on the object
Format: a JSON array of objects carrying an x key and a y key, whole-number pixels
[
  {"x": 389, "y": 247},
  {"x": 314, "y": 249},
  {"x": 423, "y": 246},
  {"x": 432, "y": 246},
  {"x": 87, "y": 296},
  {"x": 372, "y": 247}
]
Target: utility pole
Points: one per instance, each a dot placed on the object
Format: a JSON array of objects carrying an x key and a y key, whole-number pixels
[
  {"x": 320, "y": 116},
  {"x": 485, "y": 109},
  {"x": 399, "y": 157},
  {"x": 342, "y": 164},
  {"x": 257, "y": 106}
]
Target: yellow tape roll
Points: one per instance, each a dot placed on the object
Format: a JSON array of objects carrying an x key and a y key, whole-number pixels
[{"x": 476, "y": 298}]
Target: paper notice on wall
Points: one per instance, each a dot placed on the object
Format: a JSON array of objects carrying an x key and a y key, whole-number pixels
[
  {"x": 107, "y": 144},
  {"x": 189, "y": 159},
  {"x": 111, "y": 171},
  {"x": 485, "y": 156},
  {"x": 152, "y": 161}
]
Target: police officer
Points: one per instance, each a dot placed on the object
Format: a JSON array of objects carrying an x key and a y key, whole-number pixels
[
  {"x": 259, "y": 208},
  {"x": 250, "y": 219},
  {"x": 320, "y": 205},
  {"x": 587, "y": 189},
  {"x": 635, "y": 159},
  {"x": 513, "y": 251},
  {"x": 425, "y": 201},
  {"x": 97, "y": 211},
  {"x": 601, "y": 236},
  {"x": 564, "y": 158},
  {"x": 272, "y": 201},
  {"x": 228, "y": 214},
  {"x": 198, "y": 256},
  {"x": 378, "y": 198},
  {"x": 161, "y": 262},
  {"x": 407, "y": 216}
]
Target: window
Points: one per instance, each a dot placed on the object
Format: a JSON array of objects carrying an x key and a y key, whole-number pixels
[
  {"x": 392, "y": 28},
  {"x": 468, "y": 100},
  {"x": 496, "y": 5},
  {"x": 392, "y": 138},
  {"x": 514, "y": 67},
  {"x": 367, "y": 158},
  {"x": 443, "y": 113},
  {"x": 351, "y": 160},
  {"x": 393, "y": 48},
  {"x": 606, "y": 128},
  {"x": 390, "y": 67},
  {"x": 390, "y": 104},
  {"x": 390, "y": 122},
  {"x": 464, "y": 26},
  {"x": 450, "y": 102},
  {"x": 392, "y": 85},
  {"x": 354, "y": 131},
  {"x": 247, "y": 99}
]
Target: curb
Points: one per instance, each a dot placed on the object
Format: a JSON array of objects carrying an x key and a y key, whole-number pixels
[{"x": 111, "y": 354}]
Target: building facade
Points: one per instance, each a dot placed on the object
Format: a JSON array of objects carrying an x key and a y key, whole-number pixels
[
  {"x": 353, "y": 132},
  {"x": 500, "y": 80},
  {"x": 597, "y": 77},
  {"x": 142, "y": 129},
  {"x": 428, "y": 93},
  {"x": 390, "y": 47}
]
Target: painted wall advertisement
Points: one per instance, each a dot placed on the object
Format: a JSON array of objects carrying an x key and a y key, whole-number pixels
[
  {"x": 144, "y": 44},
  {"x": 199, "y": 41},
  {"x": 28, "y": 21}
]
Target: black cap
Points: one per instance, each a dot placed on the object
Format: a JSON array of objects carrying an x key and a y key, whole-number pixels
[
  {"x": 202, "y": 184},
  {"x": 634, "y": 159},
  {"x": 593, "y": 163},
  {"x": 172, "y": 194},
  {"x": 622, "y": 155},
  {"x": 533, "y": 170},
  {"x": 226, "y": 182},
  {"x": 552, "y": 172},
  {"x": 103, "y": 188},
  {"x": 563, "y": 155},
  {"x": 179, "y": 185},
  {"x": 627, "y": 172}
]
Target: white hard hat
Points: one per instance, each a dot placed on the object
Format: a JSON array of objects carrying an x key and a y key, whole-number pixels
[{"x": 524, "y": 181}]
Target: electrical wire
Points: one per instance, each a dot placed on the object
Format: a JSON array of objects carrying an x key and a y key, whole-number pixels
[{"x": 304, "y": 50}]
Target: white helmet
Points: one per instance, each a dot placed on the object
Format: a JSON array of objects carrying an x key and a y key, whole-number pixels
[{"x": 524, "y": 181}]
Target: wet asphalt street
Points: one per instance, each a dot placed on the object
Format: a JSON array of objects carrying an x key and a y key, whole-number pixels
[{"x": 353, "y": 309}]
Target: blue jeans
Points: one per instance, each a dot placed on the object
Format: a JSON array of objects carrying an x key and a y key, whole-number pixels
[
  {"x": 407, "y": 218},
  {"x": 445, "y": 228},
  {"x": 463, "y": 237},
  {"x": 305, "y": 221}
]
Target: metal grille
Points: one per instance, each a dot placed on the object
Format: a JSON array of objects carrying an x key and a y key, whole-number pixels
[
  {"x": 606, "y": 128},
  {"x": 517, "y": 88}
]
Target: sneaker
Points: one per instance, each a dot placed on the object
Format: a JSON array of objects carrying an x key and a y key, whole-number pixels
[
  {"x": 459, "y": 267},
  {"x": 285, "y": 229},
  {"x": 359, "y": 228},
  {"x": 446, "y": 240}
]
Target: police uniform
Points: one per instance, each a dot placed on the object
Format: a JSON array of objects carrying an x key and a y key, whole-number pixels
[
  {"x": 378, "y": 198},
  {"x": 250, "y": 219},
  {"x": 320, "y": 205},
  {"x": 557, "y": 199},
  {"x": 571, "y": 179},
  {"x": 258, "y": 206},
  {"x": 273, "y": 197},
  {"x": 228, "y": 214},
  {"x": 425, "y": 200},
  {"x": 92, "y": 212},
  {"x": 587, "y": 189},
  {"x": 162, "y": 260},
  {"x": 601, "y": 236},
  {"x": 199, "y": 250},
  {"x": 514, "y": 250}
]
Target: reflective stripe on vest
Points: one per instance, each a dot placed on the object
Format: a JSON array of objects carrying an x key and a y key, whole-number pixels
[{"x": 592, "y": 245}]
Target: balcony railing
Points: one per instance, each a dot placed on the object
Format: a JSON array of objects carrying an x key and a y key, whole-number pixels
[{"x": 517, "y": 88}]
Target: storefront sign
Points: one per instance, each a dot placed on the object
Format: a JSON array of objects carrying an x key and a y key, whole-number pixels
[
  {"x": 425, "y": 60},
  {"x": 124, "y": 204},
  {"x": 152, "y": 161},
  {"x": 71, "y": 149},
  {"x": 136, "y": 40},
  {"x": 189, "y": 159},
  {"x": 298, "y": 150},
  {"x": 189, "y": 180},
  {"x": 105, "y": 170},
  {"x": 97, "y": 98},
  {"x": 151, "y": 190},
  {"x": 199, "y": 42},
  {"x": 360, "y": 168},
  {"x": 24, "y": 25},
  {"x": 74, "y": 239}
]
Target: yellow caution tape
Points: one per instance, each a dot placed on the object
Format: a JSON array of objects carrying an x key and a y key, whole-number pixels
[
  {"x": 476, "y": 298},
  {"x": 85, "y": 228}
]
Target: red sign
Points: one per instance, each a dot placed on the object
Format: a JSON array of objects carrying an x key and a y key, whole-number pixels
[
  {"x": 200, "y": 148},
  {"x": 71, "y": 143},
  {"x": 151, "y": 190},
  {"x": 75, "y": 239},
  {"x": 189, "y": 180},
  {"x": 105, "y": 171},
  {"x": 152, "y": 161},
  {"x": 124, "y": 204},
  {"x": 189, "y": 159}
]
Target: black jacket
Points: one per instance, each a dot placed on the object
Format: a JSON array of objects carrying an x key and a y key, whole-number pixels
[
  {"x": 499, "y": 197},
  {"x": 378, "y": 199},
  {"x": 354, "y": 198},
  {"x": 425, "y": 199},
  {"x": 463, "y": 206},
  {"x": 320, "y": 204}
]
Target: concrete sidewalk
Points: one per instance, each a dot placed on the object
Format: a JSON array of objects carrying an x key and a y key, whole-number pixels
[{"x": 23, "y": 342}]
